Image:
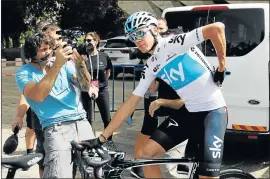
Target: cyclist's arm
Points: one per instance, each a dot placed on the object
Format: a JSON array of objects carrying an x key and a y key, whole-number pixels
[
  {"x": 121, "y": 115},
  {"x": 171, "y": 103},
  {"x": 215, "y": 32},
  {"x": 154, "y": 86},
  {"x": 129, "y": 106}
]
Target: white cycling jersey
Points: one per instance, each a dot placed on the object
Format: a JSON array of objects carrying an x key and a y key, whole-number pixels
[{"x": 178, "y": 62}]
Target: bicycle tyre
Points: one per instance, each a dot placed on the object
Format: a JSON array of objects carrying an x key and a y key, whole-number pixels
[{"x": 235, "y": 173}]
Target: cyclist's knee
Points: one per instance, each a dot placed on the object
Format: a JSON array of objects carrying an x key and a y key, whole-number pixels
[
  {"x": 152, "y": 150},
  {"x": 146, "y": 154}
]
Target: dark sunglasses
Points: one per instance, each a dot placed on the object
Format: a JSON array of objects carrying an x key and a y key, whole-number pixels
[{"x": 89, "y": 40}]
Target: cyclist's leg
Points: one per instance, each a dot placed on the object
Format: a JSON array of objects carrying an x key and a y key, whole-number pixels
[
  {"x": 149, "y": 126},
  {"x": 211, "y": 143},
  {"x": 30, "y": 136},
  {"x": 170, "y": 133}
]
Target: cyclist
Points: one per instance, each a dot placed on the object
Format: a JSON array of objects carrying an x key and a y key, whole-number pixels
[
  {"x": 178, "y": 62},
  {"x": 52, "y": 91},
  {"x": 158, "y": 89}
]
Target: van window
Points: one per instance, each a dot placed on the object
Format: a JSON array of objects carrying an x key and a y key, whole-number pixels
[
  {"x": 119, "y": 43},
  {"x": 244, "y": 27}
]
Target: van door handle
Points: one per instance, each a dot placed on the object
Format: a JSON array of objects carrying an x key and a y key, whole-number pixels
[{"x": 227, "y": 72}]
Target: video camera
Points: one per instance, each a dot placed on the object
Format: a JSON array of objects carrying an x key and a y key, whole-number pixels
[{"x": 71, "y": 36}]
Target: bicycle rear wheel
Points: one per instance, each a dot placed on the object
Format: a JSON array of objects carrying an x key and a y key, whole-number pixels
[{"x": 235, "y": 174}]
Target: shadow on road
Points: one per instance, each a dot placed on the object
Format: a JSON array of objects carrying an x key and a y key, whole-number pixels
[{"x": 242, "y": 155}]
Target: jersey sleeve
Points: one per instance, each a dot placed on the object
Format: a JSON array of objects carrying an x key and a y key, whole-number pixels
[
  {"x": 22, "y": 78},
  {"x": 182, "y": 42},
  {"x": 147, "y": 76}
]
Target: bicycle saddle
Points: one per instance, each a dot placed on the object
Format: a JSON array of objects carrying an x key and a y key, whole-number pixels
[{"x": 24, "y": 162}]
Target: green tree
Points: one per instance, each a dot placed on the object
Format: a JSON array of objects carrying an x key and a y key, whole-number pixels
[
  {"x": 102, "y": 16},
  {"x": 22, "y": 16},
  {"x": 12, "y": 22}
]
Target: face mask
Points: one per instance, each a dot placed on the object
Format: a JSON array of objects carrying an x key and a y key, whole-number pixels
[
  {"x": 43, "y": 61},
  {"x": 89, "y": 47}
]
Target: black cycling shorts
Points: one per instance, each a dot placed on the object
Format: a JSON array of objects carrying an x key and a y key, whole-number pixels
[
  {"x": 32, "y": 120},
  {"x": 29, "y": 119},
  {"x": 207, "y": 129},
  {"x": 150, "y": 124}
]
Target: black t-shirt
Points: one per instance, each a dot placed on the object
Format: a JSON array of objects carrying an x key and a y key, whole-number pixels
[
  {"x": 104, "y": 64},
  {"x": 165, "y": 92}
]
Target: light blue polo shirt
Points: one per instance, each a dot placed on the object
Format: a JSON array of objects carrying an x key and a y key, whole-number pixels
[{"x": 63, "y": 102}]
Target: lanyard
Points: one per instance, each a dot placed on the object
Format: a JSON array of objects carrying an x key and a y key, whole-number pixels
[{"x": 91, "y": 67}]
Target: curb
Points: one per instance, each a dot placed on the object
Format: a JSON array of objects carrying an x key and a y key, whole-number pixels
[
  {"x": 3, "y": 63},
  {"x": 8, "y": 74},
  {"x": 18, "y": 62}
]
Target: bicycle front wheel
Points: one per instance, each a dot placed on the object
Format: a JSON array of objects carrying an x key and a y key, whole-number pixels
[{"x": 235, "y": 174}]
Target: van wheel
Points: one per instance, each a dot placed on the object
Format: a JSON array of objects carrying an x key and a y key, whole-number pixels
[{"x": 116, "y": 73}]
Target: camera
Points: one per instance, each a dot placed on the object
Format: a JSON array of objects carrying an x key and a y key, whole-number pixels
[{"x": 70, "y": 36}]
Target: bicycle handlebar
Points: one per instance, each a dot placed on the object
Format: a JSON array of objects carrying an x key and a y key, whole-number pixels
[{"x": 105, "y": 158}]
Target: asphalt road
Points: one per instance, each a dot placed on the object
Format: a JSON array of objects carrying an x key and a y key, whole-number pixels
[{"x": 253, "y": 158}]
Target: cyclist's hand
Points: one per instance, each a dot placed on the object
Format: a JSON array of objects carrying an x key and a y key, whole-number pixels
[
  {"x": 155, "y": 105},
  {"x": 219, "y": 76},
  {"x": 17, "y": 122},
  {"x": 92, "y": 143}
]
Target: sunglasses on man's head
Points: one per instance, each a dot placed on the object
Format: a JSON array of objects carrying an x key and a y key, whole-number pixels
[
  {"x": 138, "y": 35},
  {"x": 89, "y": 40}
]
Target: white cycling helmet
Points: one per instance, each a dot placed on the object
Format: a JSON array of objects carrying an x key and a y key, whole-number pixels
[{"x": 139, "y": 19}]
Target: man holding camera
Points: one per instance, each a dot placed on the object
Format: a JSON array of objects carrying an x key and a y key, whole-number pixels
[{"x": 52, "y": 91}]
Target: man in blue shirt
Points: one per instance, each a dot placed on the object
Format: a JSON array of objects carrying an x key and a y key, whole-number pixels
[{"x": 52, "y": 91}]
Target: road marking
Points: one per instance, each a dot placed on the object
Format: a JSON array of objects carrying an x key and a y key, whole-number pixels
[
  {"x": 8, "y": 74},
  {"x": 260, "y": 173}
]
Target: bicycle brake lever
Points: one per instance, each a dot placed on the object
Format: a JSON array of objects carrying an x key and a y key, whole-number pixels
[{"x": 77, "y": 146}]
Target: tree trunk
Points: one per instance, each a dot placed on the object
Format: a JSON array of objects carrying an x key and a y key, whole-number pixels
[
  {"x": 6, "y": 37},
  {"x": 16, "y": 40}
]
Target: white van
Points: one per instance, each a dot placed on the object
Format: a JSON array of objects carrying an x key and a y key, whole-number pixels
[{"x": 246, "y": 86}]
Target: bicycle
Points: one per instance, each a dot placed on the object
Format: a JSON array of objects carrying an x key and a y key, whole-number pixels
[
  {"x": 21, "y": 162},
  {"x": 109, "y": 164}
]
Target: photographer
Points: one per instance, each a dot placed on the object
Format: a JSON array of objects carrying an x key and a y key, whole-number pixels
[
  {"x": 51, "y": 91},
  {"x": 99, "y": 66},
  {"x": 33, "y": 130}
]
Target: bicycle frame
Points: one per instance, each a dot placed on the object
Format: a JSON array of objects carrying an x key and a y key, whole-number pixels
[
  {"x": 118, "y": 166},
  {"x": 112, "y": 164}
]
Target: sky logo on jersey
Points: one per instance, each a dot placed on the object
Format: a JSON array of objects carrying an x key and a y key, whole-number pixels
[{"x": 181, "y": 71}]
